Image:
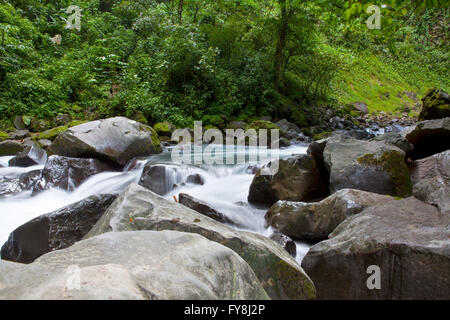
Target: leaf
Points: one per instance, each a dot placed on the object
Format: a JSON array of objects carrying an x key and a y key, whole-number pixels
[{"x": 26, "y": 120}]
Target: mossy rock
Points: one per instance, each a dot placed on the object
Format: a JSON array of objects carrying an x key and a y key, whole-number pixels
[
  {"x": 164, "y": 128},
  {"x": 322, "y": 135},
  {"x": 436, "y": 105},
  {"x": 140, "y": 117},
  {"x": 3, "y": 136},
  {"x": 214, "y": 120},
  {"x": 51, "y": 134},
  {"x": 262, "y": 124}
]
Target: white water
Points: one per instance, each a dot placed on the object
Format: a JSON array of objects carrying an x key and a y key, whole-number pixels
[{"x": 226, "y": 189}]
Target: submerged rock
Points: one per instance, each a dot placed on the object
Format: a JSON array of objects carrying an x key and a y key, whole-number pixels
[
  {"x": 56, "y": 230},
  {"x": 32, "y": 155},
  {"x": 142, "y": 265},
  {"x": 69, "y": 173},
  {"x": 315, "y": 221},
  {"x": 116, "y": 139},
  {"x": 140, "y": 209},
  {"x": 203, "y": 208},
  {"x": 297, "y": 179},
  {"x": 431, "y": 179},
  {"x": 373, "y": 166},
  {"x": 407, "y": 240}
]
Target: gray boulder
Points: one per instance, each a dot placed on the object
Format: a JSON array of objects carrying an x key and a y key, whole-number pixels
[
  {"x": 315, "y": 221},
  {"x": 24, "y": 182},
  {"x": 286, "y": 242},
  {"x": 408, "y": 240},
  {"x": 297, "y": 179},
  {"x": 116, "y": 139},
  {"x": 32, "y": 155},
  {"x": 142, "y": 265},
  {"x": 56, "y": 230},
  {"x": 373, "y": 166},
  {"x": 428, "y": 137},
  {"x": 431, "y": 179},
  {"x": 159, "y": 178},
  {"x": 290, "y": 130},
  {"x": 69, "y": 173},
  {"x": 140, "y": 209}
]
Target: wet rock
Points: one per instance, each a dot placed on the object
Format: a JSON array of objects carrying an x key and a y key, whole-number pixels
[
  {"x": 159, "y": 178},
  {"x": 10, "y": 148},
  {"x": 428, "y": 137},
  {"x": 69, "y": 173},
  {"x": 431, "y": 179},
  {"x": 286, "y": 242},
  {"x": 19, "y": 123},
  {"x": 116, "y": 139},
  {"x": 297, "y": 179},
  {"x": 373, "y": 166},
  {"x": 138, "y": 208},
  {"x": 54, "y": 231},
  {"x": 436, "y": 105},
  {"x": 32, "y": 155},
  {"x": 408, "y": 240},
  {"x": 315, "y": 221},
  {"x": 195, "y": 179},
  {"x": 24, "y": 182},
  {"x": 203, "y": 208},
  {"x": 44, "y": 143},
  {"x": 143, "y": 265}
]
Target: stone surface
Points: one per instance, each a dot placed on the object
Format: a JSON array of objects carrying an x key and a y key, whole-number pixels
[
  {"x": 142, "y": 265},
  {"x": 32, "y": 155},
  {"x": 431, "y": 179},
  {"x": 373, "y": 166},
  {"x": 315, "y": 221},
  {"x": 69, "y": 173},
  {"x": 291, "y": 130},
  {"x": 10, "y": 148},
  {"x": 297, "y": 179},
  {"x": 286, "y": 242},
  {"x": 140, "y": 209},
  {"x": 203, "y": 208},
  {"x": 428, "y": 137},
  {"x": 408, "y": 240},
  {"x": 25, "y": 181},
  {"x": 115, "y": 139},
  {"x": 56, "y": 230},
  {"x": 159, "y": 178},
  {"x": 436, "y": 105}
]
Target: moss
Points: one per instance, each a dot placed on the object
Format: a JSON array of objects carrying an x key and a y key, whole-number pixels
[
  {"x": 75, "y": 123},
  {"x": 50, "y": 134},
  {"x": 215, "y": 120},
  {"x": 322, "y": 135},
  {"x": 262, "y": 124},
  {"x": 295, "y": 284},
  {"x": 3, "y": 136},
  {"x": 393, "y": 163}
]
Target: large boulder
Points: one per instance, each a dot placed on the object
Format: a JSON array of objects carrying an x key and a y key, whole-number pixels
[
  {"x": 428, "y": 137},
  {"x": 138, "y": 208},
  {"x": 408, "y": 240},
  {"x": 142, "y": 265},
  {"x": 436, "y": 105},
  {"x": 32, "y": 155},
  {"x": 431, "y": 179},
  {"x": 69, "y": 173},
  {"x": 116, "y": 139},
  {"x": 203, "y": 208},
  {"x": 297, "y": 179},
  {"x": 56, "y": 230},
  {"x": 373, "y": 166},
  {"x": 315, "y": 221}
]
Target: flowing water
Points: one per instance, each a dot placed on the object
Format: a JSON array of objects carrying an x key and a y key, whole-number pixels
[{"x": 225, "y": 188}]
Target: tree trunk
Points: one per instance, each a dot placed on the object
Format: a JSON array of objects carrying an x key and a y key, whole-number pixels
[
  {"x": 281, "y": 44},
  {"x": 180, "y": 12}
]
